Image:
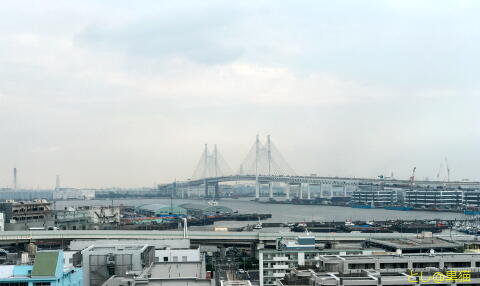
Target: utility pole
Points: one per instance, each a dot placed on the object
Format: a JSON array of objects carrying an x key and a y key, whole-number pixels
[
  {"x": 269, "y": 153},
  {"x": 257, "y": 151}
]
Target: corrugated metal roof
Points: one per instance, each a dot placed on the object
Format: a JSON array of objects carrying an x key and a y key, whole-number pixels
[
  {"x": 190, "y": 206},
  {"x": 153, "y": 207},
  {"x": 157, "y": 207}
]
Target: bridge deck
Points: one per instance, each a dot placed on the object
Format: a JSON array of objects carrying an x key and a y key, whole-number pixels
[{"x": 198, "y": 235}]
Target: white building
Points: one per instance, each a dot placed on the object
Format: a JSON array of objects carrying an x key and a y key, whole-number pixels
[
  {"x": 177, "y": 255},
  {"x": 276, "y": 263},
  {"x": 393, "y": 270},
  {"x": 175, "y": 267},
  {"x": 73, "y": 194},
  {"x": 2, "y": 222}
]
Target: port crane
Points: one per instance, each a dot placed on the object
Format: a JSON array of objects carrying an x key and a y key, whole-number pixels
[{"x": 412, "y": 178}]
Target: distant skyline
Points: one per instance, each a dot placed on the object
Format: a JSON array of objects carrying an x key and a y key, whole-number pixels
[{"x": 126, "y": 94}]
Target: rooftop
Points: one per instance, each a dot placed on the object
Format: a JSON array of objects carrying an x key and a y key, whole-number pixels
[
  {"x": 415, "y": 243},
  {"x": 45, "y": 263},
  {"x": 235, "y": 283},
  {"x": 115, "y": 247}
]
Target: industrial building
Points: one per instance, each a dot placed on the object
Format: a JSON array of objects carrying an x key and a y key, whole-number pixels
[
  {"x": 119, "y": 265},
  {"x": 159, "y": 210},
  {"x": 25, "y": 195},
  {"x": 22, "y": 215},
  {"x": 87, "y": 217},
  {"x": 99, "y": 263},
  {"x": 73, "y": 194},
  {"x": 434, "y": 198},
  {"x": 471, "y": 198},
  {"x": 398, "y": 269},
  {"x": 206, "y": 210},
  {"x": 50, "y": 268},
  {"x": 376, "y": 196}
]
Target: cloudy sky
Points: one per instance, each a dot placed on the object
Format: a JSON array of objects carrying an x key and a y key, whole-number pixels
[{"x": 125, "y": 93}]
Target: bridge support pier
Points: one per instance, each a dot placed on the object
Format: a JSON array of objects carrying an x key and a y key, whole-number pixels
[
  {"x": 270, "y": 189},
  {"x": 321, "y": 190},
  {"x": 257, "y": 190},
  {"x": 308, "y": 190},
  {"x": 287, "y": 191},
  {"x": 206, "y": 189},
  {"x": 217, "y": 191},
  {"x": 301, "y": 191},
  {"x": 344, "y": 190}
]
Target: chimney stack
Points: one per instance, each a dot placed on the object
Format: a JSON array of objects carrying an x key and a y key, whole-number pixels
[{"x": 14, "y": 178}]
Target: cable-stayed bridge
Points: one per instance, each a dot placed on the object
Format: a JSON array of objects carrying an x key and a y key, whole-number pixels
[{"x": 265, "y": 165}]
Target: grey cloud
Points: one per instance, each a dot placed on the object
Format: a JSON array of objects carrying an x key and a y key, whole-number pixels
[{"x": 201, "y": 36}]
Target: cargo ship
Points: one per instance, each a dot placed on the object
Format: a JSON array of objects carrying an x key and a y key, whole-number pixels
[{"x": 361, "y": 206}]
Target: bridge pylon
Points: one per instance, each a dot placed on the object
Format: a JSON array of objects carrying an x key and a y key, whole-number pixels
[{"x": 264, "y": 160}]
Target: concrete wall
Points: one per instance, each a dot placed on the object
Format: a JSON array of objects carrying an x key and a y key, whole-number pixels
[
  {"x": 177, "y": 255},
  {"x": 157, "y": 243}
]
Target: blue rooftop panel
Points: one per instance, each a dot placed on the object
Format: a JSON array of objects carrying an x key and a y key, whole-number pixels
[{"x": 22, "y": 270}]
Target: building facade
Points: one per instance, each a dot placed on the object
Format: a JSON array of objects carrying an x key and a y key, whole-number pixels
[
  {"x": 376, "y": 196},
  {"x": 22, "y": 215},
  {"x": 175, "y": 267},
  {"x": 99, "y": 263},
  {"x": 48, "y": 269},
  {"x": 87, "y": 217},
  {"x": 289, "y": 254},
  {"x": 434, "y": 198},
  {"x": 396, "y": 270}
]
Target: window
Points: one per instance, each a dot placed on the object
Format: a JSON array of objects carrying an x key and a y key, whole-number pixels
[
  {"x": 361, "y": 266},
  {"x": 425, "y": 264},
  {"x": 165, "y": 259},
  {"x": 13, "y": 283},
  {"x": 459, "y": 264},
  {"x": 175, "y": 258},
  {"x": 184, "y": 258},
  {"x": 41, "y": 283}
]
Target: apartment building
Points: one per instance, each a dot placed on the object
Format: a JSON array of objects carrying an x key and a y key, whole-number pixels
[
  {"x": 289, "y": 254},
  {"x": 395, "y": 270}
]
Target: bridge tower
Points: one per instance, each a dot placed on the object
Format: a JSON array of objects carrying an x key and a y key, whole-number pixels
[
  {"x": 265, "y": 162},
  {"x": 211, "y": 166},
  {"x": 205, "y": 170}
]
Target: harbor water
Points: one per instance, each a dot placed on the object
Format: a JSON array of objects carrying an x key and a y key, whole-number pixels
[{"x": 284, "y": 212}]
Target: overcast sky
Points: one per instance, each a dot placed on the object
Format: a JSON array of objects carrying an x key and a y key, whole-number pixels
[{"x": 125, "y": 93}]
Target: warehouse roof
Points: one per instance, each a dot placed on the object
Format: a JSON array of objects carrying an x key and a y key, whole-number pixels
[{"x": 207, "y": 208}]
